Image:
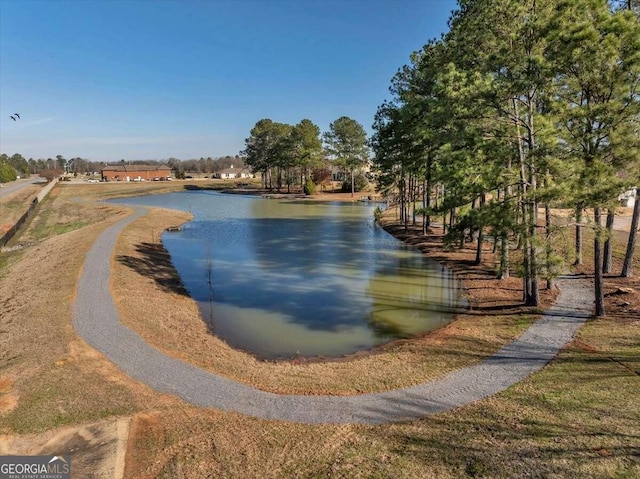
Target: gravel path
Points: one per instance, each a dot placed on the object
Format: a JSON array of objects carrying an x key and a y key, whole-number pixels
[{"x": 96, "y": 320}]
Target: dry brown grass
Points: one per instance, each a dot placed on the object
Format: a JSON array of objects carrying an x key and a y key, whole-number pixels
[
  {"x": 92, "y": 191},
  {"x": 578, "y": 418},
  {"x": 62, "y": 214},
  {"x": 12, "y": 207},
  {"x": 55, "y": 375}
]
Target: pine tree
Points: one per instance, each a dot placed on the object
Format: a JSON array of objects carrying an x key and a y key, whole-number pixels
[{"x": 598, "y": 78}]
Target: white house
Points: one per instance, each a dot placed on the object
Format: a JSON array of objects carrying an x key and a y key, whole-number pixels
[
  {"x": 628, "y": 198},
  {"x": 232, "y": 173}
]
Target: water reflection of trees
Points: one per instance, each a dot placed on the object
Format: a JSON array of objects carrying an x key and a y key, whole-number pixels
[
  {"x": 409, "y": 296},
  {"x": 305, "y": 268},
  {"x": 305, "y": 237},
  {"x": 294, "y": 266}
]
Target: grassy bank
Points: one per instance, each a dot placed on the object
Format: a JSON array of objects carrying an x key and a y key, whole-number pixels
[
  {"x": 14, "y": 206},
  {"x": 52, "y": 377}
]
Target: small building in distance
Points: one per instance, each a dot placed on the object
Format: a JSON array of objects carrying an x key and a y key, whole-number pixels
[
  {"x": 628, "y": 198},
  {"x": 232, "y": 173},
  {"x": 135, "y": 173},
  {"x": 340, "y": 173}
]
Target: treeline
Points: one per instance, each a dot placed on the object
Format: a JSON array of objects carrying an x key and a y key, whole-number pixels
[
  {"x": 521, "y": 105},
  {"x": 299, "y": 154},
  {"x": 10, "y": 166},
  {"x": 203, "y": 165}
]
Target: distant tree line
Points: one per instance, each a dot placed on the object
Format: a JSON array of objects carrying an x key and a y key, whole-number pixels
[
  {"x": 17, "y": 165},
  {"x": 203, "y": 165},
  {"x": 287, "y": 154},
  {"x": 521, "y": 105}
]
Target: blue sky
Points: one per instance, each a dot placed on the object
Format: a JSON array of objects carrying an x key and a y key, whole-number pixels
[{"x": 133, "y": 80}]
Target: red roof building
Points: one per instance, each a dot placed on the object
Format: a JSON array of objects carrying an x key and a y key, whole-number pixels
[{"x": 135, "y": 173}]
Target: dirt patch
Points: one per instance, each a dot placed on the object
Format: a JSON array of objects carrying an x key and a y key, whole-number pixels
[
  {"x": 622, "y": 298},
  {"x": 5, "y": 385},
  {"x": 8, "y": 396},
  {"x": 97, "y": 450},
  {"x": 8, "y": 402}
]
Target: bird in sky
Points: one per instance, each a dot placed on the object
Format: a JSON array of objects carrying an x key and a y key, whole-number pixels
[
  {"x": 12, "y": 117},
  {"x": 16, "y": 114}
]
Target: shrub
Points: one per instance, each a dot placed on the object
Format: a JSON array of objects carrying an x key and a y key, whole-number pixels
[
  {"x": 309, "y": 187},
  {"x": 359, "y": 183},
  {"x": 50, "y": 173},
  {"x": 7, "y": 173}
]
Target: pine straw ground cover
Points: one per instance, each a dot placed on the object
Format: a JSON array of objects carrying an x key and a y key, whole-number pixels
[{"x": 578, "y": 418}]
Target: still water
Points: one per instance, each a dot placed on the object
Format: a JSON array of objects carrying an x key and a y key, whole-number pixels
[{"x": 279, "y": 278}]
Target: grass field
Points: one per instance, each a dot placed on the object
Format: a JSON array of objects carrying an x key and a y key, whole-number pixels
[
  {"x": 577, "y": 418},
  {"x": 14, "y": 206}
]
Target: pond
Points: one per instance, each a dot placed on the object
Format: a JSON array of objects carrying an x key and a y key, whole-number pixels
[{"x": 280, "y": 278}]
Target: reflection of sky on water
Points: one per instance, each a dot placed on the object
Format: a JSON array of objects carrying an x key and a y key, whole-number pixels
[{"x": 313, "y": 279}]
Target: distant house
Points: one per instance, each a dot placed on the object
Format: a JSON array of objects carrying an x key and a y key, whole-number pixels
[
  {"x": 339, "y": 173},
  {"x": 135, "y": 173},
  {"x": 628, "y": 198},
  {"x": 232, "y": 173}
]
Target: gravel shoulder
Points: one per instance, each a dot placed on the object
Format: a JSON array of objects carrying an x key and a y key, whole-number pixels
[{"x": 96, "y": 320}]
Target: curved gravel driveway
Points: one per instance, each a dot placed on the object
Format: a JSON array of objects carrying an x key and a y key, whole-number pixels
[{"x": 96, "y": 320}]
